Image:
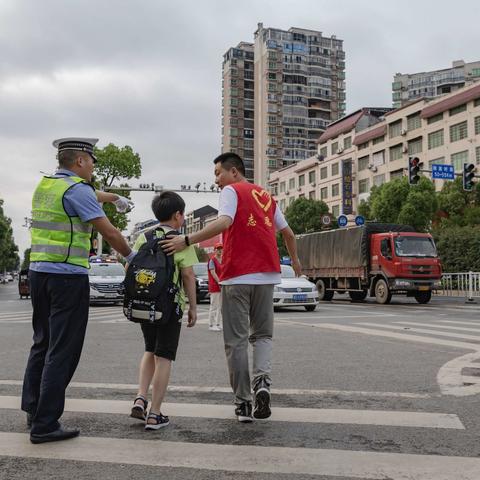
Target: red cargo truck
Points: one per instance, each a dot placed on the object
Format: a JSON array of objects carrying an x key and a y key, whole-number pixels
[{"x": 377, "y": 260}]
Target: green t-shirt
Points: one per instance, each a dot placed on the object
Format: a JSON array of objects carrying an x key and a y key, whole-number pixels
[{"x": 185, "y": 258}]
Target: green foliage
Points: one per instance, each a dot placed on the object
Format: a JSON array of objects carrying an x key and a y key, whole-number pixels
[
  {"x": 459, "y": 248},
  {"x": 305, "y": 215},
  {"x": 9, "y": 259},
  {"x": 26, "y": 259},
  {"x": 387, "y": 200}
]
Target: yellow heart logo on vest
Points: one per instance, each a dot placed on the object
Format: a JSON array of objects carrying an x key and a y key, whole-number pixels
[{"x": 263, "y": 198}]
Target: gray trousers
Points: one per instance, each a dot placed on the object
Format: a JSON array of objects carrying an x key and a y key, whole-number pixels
[{"x": 247, "y": 312}]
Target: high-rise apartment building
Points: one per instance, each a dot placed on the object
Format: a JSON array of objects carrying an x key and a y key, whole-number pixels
[
  {"x": 279, "y": 95},
  {"x": 238, "y": 103},
  {"x": 411, "y": 86}
]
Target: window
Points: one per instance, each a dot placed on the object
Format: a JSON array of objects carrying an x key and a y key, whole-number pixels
[
  {"x": 436, "y": 161},
  {"x": 379, "y": 179},
  {"x": 291, "y": 184},
  {"x": 476, "y": 103},
  {"x": 311, "y": 195},
  {"x": 311, "y": 176},
  {"x": 233, "y": 112},
  {"x": 334, "y": 148},
  {"x": 301, "y": 180},
  {"x": 458, "y": 159},
  {"x": 362, "y": 146},
  {"x": 475, "y": 72},
  {"x": 272, "y": 163},
  {"x": 476, "y": 122},
  {"x": 363, "y": 163},
  {"x": 323, "y": 173},
  {"x": 291, "y": 200},
  {"x": 282, "y": 187},
  {"x": 323, "y": 152},
  {"x": 363, "y": 185},
  {"x": 234, "y": 132},
  {"x": 234, "y": 142},
  {"x": 323, "y": 193},
  {"x": 336, "y": 210},
  {"x": 234, "y": 102},
  {"x": 272, "y": 130},
  {"x": 415, "y": 146},
  {"x": 395, "y": 129},
  {"x": 335, "y": 190},
  {"x": 435, "y": 118},
  {"x": 335, "y": 169},
  {"x": 456, "y": 110},
  {"x": 435, "y": 139},
  {"x": 378, "y": 140},
  {"x": 396, "y": 152},
  {"x": 378, "y": 158},
  {"x": 282, "y": 205},
  {"x": 414, "y": 122},
  {"x": 347, "y": 142},
  {"x": 458, "y": 131},
  {"x": 396, "y": 174},
  {"x": 477, "y": 155}
]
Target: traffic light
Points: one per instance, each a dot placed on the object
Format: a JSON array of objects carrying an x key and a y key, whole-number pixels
[
  {"x": 468, "y": 176},
  {"x": 414, "y": 166}
]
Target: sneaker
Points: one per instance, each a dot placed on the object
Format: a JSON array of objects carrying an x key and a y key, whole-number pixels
[
  {"x": 160, "y": 421},
  {"x": 212, "y": 328},
  {"x": 219, "y": 328},
  {"x": 244, "y": 412},
  {"x": 261, "y": 392}
]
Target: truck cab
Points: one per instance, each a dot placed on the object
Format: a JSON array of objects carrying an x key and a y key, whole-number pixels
[{"x": 404, "y": 262}]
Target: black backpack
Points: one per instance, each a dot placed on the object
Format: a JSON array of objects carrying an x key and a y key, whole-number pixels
[{"x": 149, "y": 294}]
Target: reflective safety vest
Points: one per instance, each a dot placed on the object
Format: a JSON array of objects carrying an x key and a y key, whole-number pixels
[{"x": 56, "y": 236}]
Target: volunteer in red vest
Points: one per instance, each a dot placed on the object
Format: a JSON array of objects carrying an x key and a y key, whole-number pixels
[
  {"x": 214, "y": 269},
  {"x": 249, "y": 219}
]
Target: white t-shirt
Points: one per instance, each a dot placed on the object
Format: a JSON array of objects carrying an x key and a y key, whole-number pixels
[{"x": 228, "y": 202}]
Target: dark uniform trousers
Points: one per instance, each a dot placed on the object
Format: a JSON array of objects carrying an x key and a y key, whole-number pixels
[{"x": 60, "y": 315}]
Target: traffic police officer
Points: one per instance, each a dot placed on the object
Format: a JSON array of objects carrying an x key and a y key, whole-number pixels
[{"x": 64, "y": 209}]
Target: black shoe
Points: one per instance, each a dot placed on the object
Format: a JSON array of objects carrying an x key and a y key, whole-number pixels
[
  {"x": 29, "y": 419},
  {"x": 244, "y": 412},
  {"x": 262, "y": 398},
  {"x": 54, "y": 436}
]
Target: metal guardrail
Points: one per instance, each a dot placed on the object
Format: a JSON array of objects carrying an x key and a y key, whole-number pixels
[{"x": 461, "y": 284}]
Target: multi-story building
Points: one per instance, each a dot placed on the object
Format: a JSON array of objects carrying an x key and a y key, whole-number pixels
[
  {"x": 408, "y": 87},
  {"x": 369, "y": 147},
  {"x": 279, "y": 95},
  {"x": 198, "y": 219},
  {"x": 238, "y": 104}
]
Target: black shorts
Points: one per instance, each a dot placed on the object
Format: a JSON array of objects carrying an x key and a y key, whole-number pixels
[{"x": 162, "y": 340}]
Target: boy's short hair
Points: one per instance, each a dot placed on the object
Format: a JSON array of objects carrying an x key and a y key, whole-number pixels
[
  {"x": 229, "y": 160},
  {"x": 166, "y": 204}
]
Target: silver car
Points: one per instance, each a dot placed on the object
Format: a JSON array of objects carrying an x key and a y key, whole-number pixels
[
  {"x": 295, "y": 291},
  {"x": 105, "y": 279}
]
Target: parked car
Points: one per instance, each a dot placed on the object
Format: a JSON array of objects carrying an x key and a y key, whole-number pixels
[
  {"x": 295, "y": 291},
  {"x": 201, "y": 279},
  {"x": 105, "y": 282}
]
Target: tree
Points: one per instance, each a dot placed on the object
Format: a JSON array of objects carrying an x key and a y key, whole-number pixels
[
  {"x": 459, "y": 248},
  {"x": 113, "y": 165},
  {"x": 26, "y": 259},
  {"x": 305, "y": 215},
  {"x": 9, "y": 259}
]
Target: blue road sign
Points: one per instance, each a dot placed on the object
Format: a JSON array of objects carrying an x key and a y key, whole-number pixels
[
  {"x": 342, "y": 221},
  {"x": 444, "y": 172},
  {"x": 359, "y": 220}
]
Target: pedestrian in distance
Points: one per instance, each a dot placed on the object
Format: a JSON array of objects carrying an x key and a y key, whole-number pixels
[
  {"x": 249, "y": 218},
  {"x": 161, "y": 340},
  {"x": 214, "y": 269},
  {"x": 64, "y": 210}
]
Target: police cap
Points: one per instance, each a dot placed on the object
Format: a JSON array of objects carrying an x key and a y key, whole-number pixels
[{"x": 76, "y": 143}]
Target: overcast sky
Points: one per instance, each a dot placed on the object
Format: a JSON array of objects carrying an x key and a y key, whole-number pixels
[{"x": 147, "y": 73}]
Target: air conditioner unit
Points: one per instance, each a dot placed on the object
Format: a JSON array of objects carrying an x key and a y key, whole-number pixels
[
  {"x": 405, "y": 149},
  {"x": 340, "y": 150},
  {"x": 403, "y": 131},
  {"x": 313, "y": 184},
  {"x": 373, "y": 168},
  {"x": 287, "y": 193},
  {"x": 299, "y": 189}
]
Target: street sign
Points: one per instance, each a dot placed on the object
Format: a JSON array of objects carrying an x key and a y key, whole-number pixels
[
  {"x": 359, "y": 220},
  {"x": 342, "y": 221},
  {"x": 326, "y": 220},
  {"x": 444, "y": 172}
]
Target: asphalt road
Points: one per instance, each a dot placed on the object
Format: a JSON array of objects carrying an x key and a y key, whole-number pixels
[{"x": 359, "y": 391}]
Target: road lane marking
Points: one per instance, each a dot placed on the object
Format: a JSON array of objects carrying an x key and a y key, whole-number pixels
[
  {"x": 445, "y": 327},
  {"x": 242, "y": 458},
  {"x": 275, "y": 391},
  {"x": 423, "y": 330},
  {"x": 391, "y": 418},
  {"x": 450, "y": 378}
]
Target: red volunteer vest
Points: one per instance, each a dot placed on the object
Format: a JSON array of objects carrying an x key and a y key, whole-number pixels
[
  {"x": 249, "y": 244},
  {"x": 213, "y": 286}
]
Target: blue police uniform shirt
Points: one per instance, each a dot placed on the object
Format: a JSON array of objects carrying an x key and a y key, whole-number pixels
[{"x": 79, "y": 201}]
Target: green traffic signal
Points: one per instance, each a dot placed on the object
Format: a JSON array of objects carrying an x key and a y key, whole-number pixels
[{"x": 468, "y": 176}]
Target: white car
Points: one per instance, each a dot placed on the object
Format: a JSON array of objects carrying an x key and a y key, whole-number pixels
[
  {"x": 295, "y": 292},
  {"x": 105, "y": 279}
]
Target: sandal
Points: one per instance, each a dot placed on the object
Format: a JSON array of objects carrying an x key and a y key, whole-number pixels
[
  {"x": 138, "y": 411},
  {"x": 160, "y": 421}
]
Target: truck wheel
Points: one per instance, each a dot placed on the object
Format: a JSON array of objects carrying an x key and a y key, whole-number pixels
[
  {"x": 383, "y": 294},
  {"x": 423, "y": 297},
  {"x": 358, "y": 296},
  {"x": 323, "y": 294}
]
